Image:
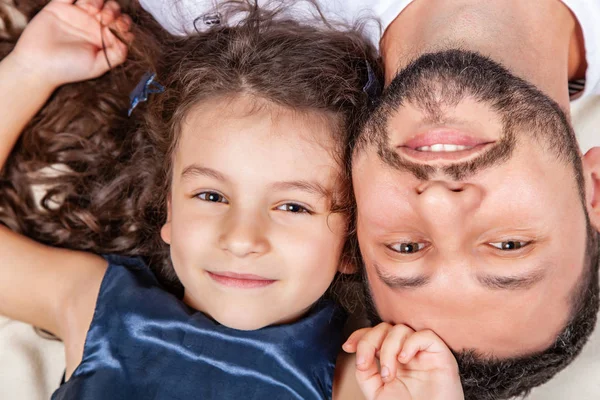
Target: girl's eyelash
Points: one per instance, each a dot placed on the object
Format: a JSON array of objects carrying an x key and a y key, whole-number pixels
[
  {"x": 294, "y": 208},
  {"x": 216, "y": 197},
  {"x": 212, "y": 197}
]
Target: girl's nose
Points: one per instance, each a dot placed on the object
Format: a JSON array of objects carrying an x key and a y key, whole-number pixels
[{"x": 244, "y": 234}]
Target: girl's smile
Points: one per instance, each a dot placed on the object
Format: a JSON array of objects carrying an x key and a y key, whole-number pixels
[{"x": 242, "y": 281}]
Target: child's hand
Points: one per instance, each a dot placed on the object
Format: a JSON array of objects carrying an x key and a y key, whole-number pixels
[
  {"x": 412, "y": 365},
  {"x": 64, "y": 42}
]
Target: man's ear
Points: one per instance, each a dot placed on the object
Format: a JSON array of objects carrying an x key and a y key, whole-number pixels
[
  {"x": 165, "y": 231},
  {"x": 591, "y": 172}
]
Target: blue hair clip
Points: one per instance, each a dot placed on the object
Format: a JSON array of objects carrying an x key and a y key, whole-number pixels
[
  {"x": 373, "y": 87},
  {"x": 144, "y": 88}
]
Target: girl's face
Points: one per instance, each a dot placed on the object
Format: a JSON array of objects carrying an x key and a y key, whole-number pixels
[{"x": 251, "y": 234}]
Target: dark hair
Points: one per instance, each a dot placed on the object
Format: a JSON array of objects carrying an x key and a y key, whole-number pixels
[
  {"x": 113, "y": 198},
  {"x": 520, "y": 105}
]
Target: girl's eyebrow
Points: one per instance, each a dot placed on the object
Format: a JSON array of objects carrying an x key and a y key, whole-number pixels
[
  {"x": 306, "y": 186},
  {"x": 198, "y": 170}
]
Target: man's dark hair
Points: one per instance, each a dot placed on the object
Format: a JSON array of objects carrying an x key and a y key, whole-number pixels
[{"x": 446, "y": 78}]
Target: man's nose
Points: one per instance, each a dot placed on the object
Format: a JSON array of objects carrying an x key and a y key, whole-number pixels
[
  {"x": 244, "y": 233},
  {"x": 447, "y": 203}
]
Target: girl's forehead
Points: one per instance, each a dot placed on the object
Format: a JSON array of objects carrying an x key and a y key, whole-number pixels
[
  {"x": 237, "y": 136},
  {"x": 254, "y": 121}
]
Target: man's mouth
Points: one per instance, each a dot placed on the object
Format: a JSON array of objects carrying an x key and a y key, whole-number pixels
[
  {"x": 444, "y": 147},
  {"x": 443, "y": 144}
]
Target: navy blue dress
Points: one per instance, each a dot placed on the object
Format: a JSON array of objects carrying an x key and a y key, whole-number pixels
[{"x": 144, "y": 343}]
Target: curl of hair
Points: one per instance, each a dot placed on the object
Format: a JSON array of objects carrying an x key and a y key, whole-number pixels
[{"x": 66, "y": 182}]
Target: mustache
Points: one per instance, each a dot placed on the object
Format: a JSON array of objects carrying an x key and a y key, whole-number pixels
[{"x": 495, "y": 155}]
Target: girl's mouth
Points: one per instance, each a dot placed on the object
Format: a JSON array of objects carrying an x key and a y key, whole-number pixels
[{"x": 243, "y": 281}]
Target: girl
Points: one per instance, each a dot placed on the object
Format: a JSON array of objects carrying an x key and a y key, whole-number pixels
[{"x": 238, "y": 167}]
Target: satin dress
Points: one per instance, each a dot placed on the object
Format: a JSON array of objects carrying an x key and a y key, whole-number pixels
[{"x": 145, "y": 343}]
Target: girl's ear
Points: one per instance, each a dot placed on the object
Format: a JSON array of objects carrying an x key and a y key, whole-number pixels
[{"x": 165, "y": 231}]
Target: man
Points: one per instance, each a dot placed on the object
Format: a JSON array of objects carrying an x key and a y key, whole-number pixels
[{"x": 476, "y": 217}]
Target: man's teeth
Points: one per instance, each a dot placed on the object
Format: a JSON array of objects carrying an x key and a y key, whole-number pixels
[{"x": 443, "y": 147}]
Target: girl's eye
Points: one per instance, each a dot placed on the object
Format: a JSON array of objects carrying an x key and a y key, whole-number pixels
[
  {"x": 293, "y": 208},
  {"x": 407, "y": 248},
  {"x": 509, "y": 245},
  {"x": 212, "y": 197}
]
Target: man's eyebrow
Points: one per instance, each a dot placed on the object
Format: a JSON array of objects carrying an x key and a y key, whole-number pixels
[
  {"x": 198, "y": 170},
  {"x": 398, "y": 282},
  {"x": 306, "y": 186},
  {"x": 520, "y": 282}
]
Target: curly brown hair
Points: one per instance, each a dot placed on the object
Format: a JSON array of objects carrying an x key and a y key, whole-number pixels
[
  {"x": 112, "y": 197},
  {"x": 83, "y": 127}
]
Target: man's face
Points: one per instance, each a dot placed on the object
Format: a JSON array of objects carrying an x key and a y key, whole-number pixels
[{"x": 482, "y": 239}]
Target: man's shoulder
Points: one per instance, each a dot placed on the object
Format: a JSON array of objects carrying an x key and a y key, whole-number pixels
[{"x": 587, "y": 13}]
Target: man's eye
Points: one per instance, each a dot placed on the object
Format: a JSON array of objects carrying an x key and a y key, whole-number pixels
[
  {"x": 293, "y": 208},
  {"x": 407, "y": 248},
  {"x": 509, "y": 245},
  {"x": 212, "y": 197}
]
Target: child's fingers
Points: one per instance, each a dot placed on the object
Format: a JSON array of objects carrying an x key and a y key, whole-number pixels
[
  {"x": 353, "y": 339},
  {"x": 369, "y": 345},
  {"x": 109, "y": 13},
  {"x": 123, "y": 24},
  {"x": 425, "y": 341},
  {"x": 369, "y": 380},
  {"x": 390, "y": 350},
  {"x": 120, "y": 31},
  {"x": 126, "y": 39},
  {"x": 367, "y": 342},
  {"x": 115, "y": 52},
  {"x": 91, "y": 6}
]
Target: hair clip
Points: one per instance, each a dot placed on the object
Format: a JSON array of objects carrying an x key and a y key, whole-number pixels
[
  {"x": 208, "y": 20},
  {"x": 144, "y": 88},
  {"x": 373, "y": 87},
  {"x": 211, "y": 19}
]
